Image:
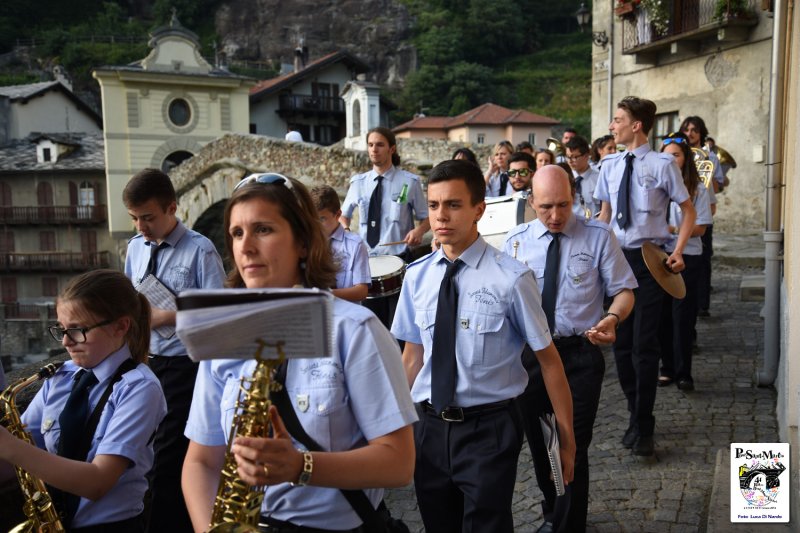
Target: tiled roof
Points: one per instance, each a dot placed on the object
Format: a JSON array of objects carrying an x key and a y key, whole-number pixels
[
  {"x": 485, "y": 114},
  {"x": 267, "y": 87},
  {"x": 17, "y": 92},
  {"x": 20, "y": 155}
]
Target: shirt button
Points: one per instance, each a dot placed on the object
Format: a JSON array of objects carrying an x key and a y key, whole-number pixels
[{"x": 321, "y": 407}]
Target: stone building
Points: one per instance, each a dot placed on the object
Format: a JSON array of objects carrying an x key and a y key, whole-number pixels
[
  {"x": 693, "y": 62},
  {"x": 161, "y": 110},
  {"x": 53, "y": 219}
]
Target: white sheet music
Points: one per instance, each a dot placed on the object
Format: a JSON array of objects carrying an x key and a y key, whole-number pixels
[
  {"x": 298, "y": 318},
  {"x": 161, "y": 297},
  {"x": 550, "y": 434}
]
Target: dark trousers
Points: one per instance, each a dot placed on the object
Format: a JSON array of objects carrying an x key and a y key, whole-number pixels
[
  {"x": 465, "y": 471},
  {"x": 584, "y": 366},
  {"x": 704, "y": 273},
  {"x": 637, "y": 349},
  {"x": 678, "y": 319},
  {"x": 167, "y": 509}
]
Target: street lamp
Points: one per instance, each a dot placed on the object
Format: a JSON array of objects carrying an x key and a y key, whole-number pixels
[{"x": 584, "y": 16}]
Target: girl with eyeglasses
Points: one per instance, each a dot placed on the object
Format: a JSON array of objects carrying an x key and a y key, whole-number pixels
[
  {"x": 355, "y": 404},
  {"x": 96, "y": 475},
  {"x": 680, "y": 316}
]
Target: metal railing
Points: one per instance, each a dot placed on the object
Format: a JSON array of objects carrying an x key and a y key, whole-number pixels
[
  {"x": 309, "y": 103},
  {"x": 53, "y": 214},
  {"x": 54, "y": 261},
  {"x": 685, "y": 16},
  {"x": 16, "y": 310}
]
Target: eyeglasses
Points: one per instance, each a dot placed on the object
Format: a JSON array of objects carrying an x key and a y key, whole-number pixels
[
  {"x": 76, "y": 335},
  {"x": 576, "y": 157},
  {"x": 270, "y": 178},
  {"x": 523, "y": 172},
  {"x": 676, "y": 140}
]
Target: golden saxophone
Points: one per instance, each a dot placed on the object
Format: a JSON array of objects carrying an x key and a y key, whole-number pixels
[
  {"x": 237, "y": 506},
  {"x": 38, "y": 508}
]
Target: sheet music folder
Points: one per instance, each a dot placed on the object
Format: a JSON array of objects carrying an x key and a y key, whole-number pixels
[
  {"x": 228, "y": 323},
  {"x": 550, "y": 433}
]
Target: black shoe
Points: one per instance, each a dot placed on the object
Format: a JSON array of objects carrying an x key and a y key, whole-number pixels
[
  {"x": 546, "y": 527},
  {"x": 686, "y": 384},
  {"x": 664, "y": 381},
  {"x": 703, "y": 313},
  {"x": 644, "y": 446},
  {"x": 630, "y": 437}
]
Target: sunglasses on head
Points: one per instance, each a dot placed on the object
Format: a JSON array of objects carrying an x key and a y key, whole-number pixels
[
  {"x": 524, "y": 172},
  {"x": 266, "y": 179},
  {"x": 676, "y": 140}
]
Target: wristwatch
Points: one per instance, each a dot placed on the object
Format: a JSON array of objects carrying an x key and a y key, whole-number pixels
[{"x": 308, "y": 469}]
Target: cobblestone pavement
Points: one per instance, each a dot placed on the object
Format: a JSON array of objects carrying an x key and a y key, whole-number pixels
[{"x": 671, "y": 491}]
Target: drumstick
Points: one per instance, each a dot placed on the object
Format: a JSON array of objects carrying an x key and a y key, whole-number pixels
[{"x": 395, "y": 243}]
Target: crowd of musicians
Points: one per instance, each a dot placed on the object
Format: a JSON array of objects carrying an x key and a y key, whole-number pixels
[{"x": 440, "y": 366}]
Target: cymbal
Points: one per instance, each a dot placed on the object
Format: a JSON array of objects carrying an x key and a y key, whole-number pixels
[{"x": 656, "y": 260}]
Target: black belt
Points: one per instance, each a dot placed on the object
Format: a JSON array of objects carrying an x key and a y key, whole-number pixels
[
  {"x": 459, "y": 414},
  {"x": 272, "y": 525},
  {"x": 574, "y": 341}
]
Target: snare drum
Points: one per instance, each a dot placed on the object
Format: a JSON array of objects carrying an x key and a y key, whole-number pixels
[{"x": 387, "y": 273}]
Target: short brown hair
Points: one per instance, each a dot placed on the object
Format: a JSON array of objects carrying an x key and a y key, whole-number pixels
[
  {"x": 298, "y": 210},
  {"x": 640, "y": 109},
  {"x": 149, "y": 184},
  {"x": 461, "y": 169},
  {"x": 325, "y": 197}
]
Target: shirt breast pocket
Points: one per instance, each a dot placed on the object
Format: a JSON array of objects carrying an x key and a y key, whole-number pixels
[
  {"x": 363, "y": 211},
  {"x": 320, "y": 410},
  {"x": 488, "y": 341},
  {"x": 581, "y": 278},
  {"x": 646, "y": 195},
  {"x": 397, "y": 211}
]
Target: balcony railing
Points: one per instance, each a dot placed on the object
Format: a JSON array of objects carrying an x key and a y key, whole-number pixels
[
  {"x": 29, "y": 311},
  {"x": 54, "y": 261},
  {"x": 53, "y": 214},
  {"x": 690, "y": 19},
  {"x": 306, "y": 103}
]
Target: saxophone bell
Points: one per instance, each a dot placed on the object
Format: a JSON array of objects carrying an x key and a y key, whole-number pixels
[{"x": 40, "y": 513}]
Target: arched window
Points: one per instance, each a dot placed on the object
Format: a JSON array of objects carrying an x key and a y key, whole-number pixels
[
  {"x": 174, "y": 159},
  {"x": 356, "y": 118}
]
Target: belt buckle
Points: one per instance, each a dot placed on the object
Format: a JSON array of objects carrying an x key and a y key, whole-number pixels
[{"x": 453, "y": 414}]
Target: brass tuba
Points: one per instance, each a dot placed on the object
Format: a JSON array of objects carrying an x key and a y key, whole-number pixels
[
  {"x": 237, "y": 506},
  {"x": 705, "y": 167},
  {"x": 556, "y": 146},
  {"x": 38, "y": 508}
]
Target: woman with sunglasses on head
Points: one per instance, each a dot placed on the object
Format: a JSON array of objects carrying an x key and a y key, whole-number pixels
[
  {"x": 496, "y": 176},
  {"x": 355, "y": 404},
  {"x": 680, "y": 316},
  {"x": 97, "y": 476}
]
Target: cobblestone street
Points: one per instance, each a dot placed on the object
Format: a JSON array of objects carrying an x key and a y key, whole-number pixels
[{"x": 671, "y": 491}]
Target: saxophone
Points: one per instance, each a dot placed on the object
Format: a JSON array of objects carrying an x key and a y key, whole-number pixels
[
  {"x": 237, "y": 506},
  {"x": 38, "y": 508}
]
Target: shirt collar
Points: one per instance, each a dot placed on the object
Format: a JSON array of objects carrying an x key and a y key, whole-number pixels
[
  {"x": 471, "y": 256},
  {"x": 175, "y": 235},
  {"x": 540, "y": 230},
  {"x": 389, "y": 174},
  {"x": 641, "y": 151},
  {"x": 108, "y": 366},
  {"x": 338, "y": 233}
]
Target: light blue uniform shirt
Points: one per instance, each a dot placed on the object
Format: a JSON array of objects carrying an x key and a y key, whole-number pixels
[
  {"x": 656, "y": 180},
  {"x": 493, "y": 186},
  {"x": 592, "y": 265},
  {"x": 586, "y": 197},
  {"x": 358, "y": 394},
  {"x": 396, "y": 218},
  {"x": 702, "y": 204},
  {"x": 128, "y": 422},
  {"x": 499, "y": 310},
  {"x": 190, "y": 261},
  {"x": 351, "y": 256}
]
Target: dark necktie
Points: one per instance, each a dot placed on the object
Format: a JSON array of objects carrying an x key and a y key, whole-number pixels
[
  {"x": 578, "y": 190},
  {"x": 503, "y": 183},
  {"x": 153, "y": 263},
  {"x": 550, "y": 288},
  {"x": 443, "y": 358},
  {"x": 374, "y": 214},
  {"x": 623, "y": 197},
  {"x": 73, "y": 425}
]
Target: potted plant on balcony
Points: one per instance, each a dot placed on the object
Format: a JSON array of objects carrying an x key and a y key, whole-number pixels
[
  {"x": 626, "y": 7},
  {"x": 657, "y": 15},
  {"x": 732, "y": 9}
]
